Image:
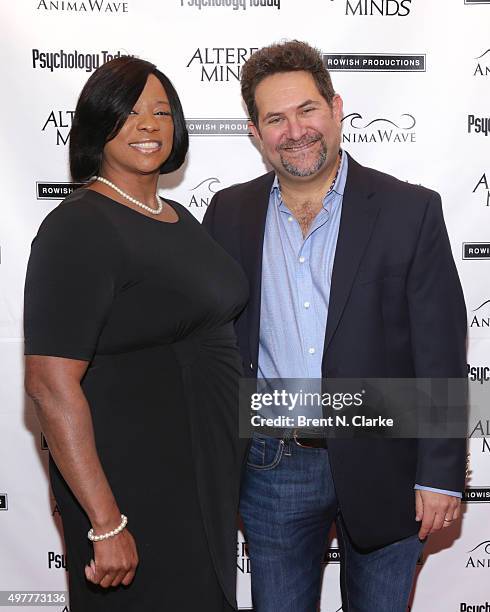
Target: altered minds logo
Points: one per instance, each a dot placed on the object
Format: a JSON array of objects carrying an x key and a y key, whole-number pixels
[
  {"x": 59, "y": 122},
  {"x": 482, "y": 430},
  {"x": 478, "y": 125},
  {"x": 84, "y": 6},
  {"x": 4, "y": 501},
  {"x": 219, "y": 64},
  {"x": 481, "y": 316},
  {"x": 369, "y": 62},
  {"x": 482, "y": 188},
  {"x": 202, "y": 193},
  {"x": 384, "y": 8},
  {"x": 356, "y": 129},
  {"x": 71, "y": 60},
  {"x": 483, "y": 64},
  {"x": 479, "y": 556},
  {"x": 235, "y": 5}
]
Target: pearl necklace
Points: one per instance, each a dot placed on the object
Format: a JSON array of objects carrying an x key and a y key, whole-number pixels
[{"x": 153, "y": 211}]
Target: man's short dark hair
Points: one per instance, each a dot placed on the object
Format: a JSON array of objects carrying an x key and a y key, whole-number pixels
[
  {"x": 104, "y": 105},
  {"x": 289, "y": 56}
]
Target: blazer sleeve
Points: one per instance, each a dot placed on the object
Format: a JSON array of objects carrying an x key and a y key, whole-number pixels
[{"x": 438, "y": 328}]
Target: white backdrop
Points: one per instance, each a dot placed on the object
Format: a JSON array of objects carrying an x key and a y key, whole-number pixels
[{"x": 415, "y": 78}]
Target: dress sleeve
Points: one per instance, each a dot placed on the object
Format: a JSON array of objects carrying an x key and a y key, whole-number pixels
[{"x": 70, "y": 283}]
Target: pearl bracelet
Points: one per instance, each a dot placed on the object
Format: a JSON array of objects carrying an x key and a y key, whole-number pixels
[{"x": 104, "y": 536}]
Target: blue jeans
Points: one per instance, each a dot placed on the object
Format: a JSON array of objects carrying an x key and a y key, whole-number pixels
[{"x": 288, "y": 504}]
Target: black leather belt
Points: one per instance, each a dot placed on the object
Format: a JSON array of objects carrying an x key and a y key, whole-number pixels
[{"x": 311, "y": 442}]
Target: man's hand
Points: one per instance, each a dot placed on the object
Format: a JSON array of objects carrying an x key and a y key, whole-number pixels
[{"x": 435, "y": 510}]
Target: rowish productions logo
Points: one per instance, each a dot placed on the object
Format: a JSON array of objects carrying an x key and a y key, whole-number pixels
[
  {"x": 84, "y": 6},
  {"x": 4, "y": 504},
  {"x": 476, "y": 495},
  {"x": 55, "y": 191},
  {"x": 356, "y": 129},
  {"x": 483, "y": 65},
  {"x": 482, "y": 187},
  {"x": 217, "y": 127},
  {"x": 374, "y": 62},
  {"x": 476, "y": 250}
]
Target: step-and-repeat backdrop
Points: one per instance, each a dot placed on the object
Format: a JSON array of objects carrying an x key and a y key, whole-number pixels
[{"x": 415, "y": 78}]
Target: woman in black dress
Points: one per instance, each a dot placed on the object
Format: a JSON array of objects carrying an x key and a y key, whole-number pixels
[{"x": 132, "y": 362}]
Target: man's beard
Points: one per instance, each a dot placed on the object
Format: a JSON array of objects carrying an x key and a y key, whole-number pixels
[{"x": 294, "y": 170}]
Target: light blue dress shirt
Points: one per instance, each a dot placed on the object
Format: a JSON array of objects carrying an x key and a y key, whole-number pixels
[{"x": 296, "y": 280}]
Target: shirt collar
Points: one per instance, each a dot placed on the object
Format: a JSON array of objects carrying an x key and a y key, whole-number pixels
[{"x": 338, "y": 188}]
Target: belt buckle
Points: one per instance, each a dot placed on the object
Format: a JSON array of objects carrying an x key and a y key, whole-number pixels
[{"x": 295, "y": 438}]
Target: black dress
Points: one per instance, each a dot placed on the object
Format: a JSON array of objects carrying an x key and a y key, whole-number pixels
[{"x": 150, "y": 305}]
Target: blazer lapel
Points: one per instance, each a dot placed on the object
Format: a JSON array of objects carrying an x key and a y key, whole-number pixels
[
  {"x": 359, "y": 213},
  {"x": 252, "y": 227}
]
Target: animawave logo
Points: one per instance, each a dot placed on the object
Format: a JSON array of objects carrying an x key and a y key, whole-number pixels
[
  {"x": 101, "y": 7},
  {"x": 381, "y": 130},
  {"x": 202, "y": 193},
  {"x": 482, "y": 67}
]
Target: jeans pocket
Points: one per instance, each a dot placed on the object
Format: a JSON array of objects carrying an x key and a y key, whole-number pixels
[{"x": 265, "y": 453}]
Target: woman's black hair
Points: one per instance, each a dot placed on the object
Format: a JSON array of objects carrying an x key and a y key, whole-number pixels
[{"x": 105, "y": 102}]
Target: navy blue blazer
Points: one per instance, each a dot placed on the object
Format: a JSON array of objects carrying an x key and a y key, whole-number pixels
[{"x": 396, "y": 310}]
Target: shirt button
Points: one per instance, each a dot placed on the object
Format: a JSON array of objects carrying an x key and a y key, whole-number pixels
[
  {"x": 301, "y": 259},
  {"x": 306, "y": 304},
  {"x": 290, "y": 218},
  {"x": 311, "y": 350}
]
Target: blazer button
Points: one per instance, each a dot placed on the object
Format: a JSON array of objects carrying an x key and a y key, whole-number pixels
[{"x": 251, "y": 366}]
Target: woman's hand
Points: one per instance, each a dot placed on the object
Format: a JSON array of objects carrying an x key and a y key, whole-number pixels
[{"x": 116, "y": 560}]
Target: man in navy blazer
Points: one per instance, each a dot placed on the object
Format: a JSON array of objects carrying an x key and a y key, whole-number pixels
[{"x": 351, "y": 275}]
